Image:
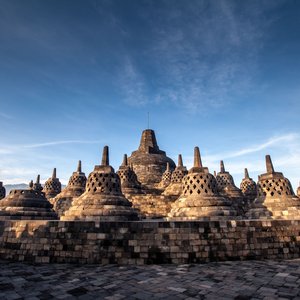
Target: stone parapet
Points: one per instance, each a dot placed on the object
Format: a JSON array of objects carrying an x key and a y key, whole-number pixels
[{"x": 148, "y": 242}]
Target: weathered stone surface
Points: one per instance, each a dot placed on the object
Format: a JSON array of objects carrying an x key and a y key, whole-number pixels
[
  {"x": 26, "y": 205},
  {"x": 152, "y": 206},
  {"x": 265, "y": 279},
  {"x": 148, "y": 242},
  {"x": 248, "y": 188},
  {"x": 227, "y": 188},
  {"x": 275, "y": 198},
  {"x": 37, "y": 185},
  {"x": 175, "y": 187},
  {"x": 102, "y": 199},
  {"x": 200, "y": 197},
  {"x": 166, "y": 178},
  {"x": 2, "y": 190},
  {"x": 52, "y": 186},
  {"x": 149, "y": 162},
  {"x": 75, "y": 188},
  {"x": 129, "y": 182}
]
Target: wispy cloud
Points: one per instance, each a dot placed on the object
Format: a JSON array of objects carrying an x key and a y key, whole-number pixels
[
  {"x": 271, "y": 142},
  {"x": 202, "y": 54},
  {"x": 10, "y": 149},
  {"x": 132, "y": 84}
]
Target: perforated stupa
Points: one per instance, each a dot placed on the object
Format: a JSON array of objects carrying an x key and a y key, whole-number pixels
[
  {"x": 275, "y": 196},
  {"x": 149, "y": 162},
  {"x": 166, "y": 178},
  {"x": 2, "y": 190},
  {"x": 175, "y": 187},
  {"x": 37, "y": 185},
  {"x": 102, "y": 199},
  {"x": 129, "y": 182},
  {"x": 225, "y": 184},
  {"x": 26, "y": 205},
  {"x": 248, "y": 187},
  {"x": 74, "y": 189},
  {"x": 52, "y": 186},
  {"x": 200, "y": 197}
]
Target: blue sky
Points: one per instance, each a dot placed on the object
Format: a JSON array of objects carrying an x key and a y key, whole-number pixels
[{"x": 77, "y": 75}]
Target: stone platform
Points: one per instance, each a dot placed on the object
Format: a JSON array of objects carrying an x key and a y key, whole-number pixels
[
  {"x": 148, "y": 242},
  {"x": 227, "y": 280}
]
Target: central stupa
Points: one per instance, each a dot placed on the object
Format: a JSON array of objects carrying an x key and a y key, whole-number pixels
[{"x": 149, "y": 162}]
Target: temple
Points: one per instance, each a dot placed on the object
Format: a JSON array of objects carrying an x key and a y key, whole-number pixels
[{"x": 151, "y": 211}]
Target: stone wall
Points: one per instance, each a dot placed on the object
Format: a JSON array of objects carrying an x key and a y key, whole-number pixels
[{"x": 148, "y": 242}]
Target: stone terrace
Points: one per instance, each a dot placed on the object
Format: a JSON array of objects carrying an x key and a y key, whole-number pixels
[{"x": 226, "y": 280}]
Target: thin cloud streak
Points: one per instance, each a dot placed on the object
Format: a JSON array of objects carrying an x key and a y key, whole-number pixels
[
  {"x": 10, "y": 149},
  {"x": 273, "y": 141}
]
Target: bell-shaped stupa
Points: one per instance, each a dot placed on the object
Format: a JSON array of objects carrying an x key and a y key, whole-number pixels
[
  {"x": 27, "y": 204},
  {"x": 129, "y": 182},
  {"x": 166, "y": 178},
  {"x": 37, "y": 185},
  {"x": 225, "y": 184},
  {"x": 248, "y": 187},
  {"x": 200, "y": 197},
  {"x": 275, "y": 196},
  {"x": 75, "y": 188},
  {"x": 102, "y": 199},
  {"x": 298, "y": 190},
  {"x": 175, "y": 187},
  {"x": 52, "y": 186},
  {"x": 2, "y": 190},
  {"x": 149, "y": 162}
]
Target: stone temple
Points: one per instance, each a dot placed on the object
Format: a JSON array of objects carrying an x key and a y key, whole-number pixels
[
  {"x": 149, "y": 162},
  {"x": 151, "y": 211}
]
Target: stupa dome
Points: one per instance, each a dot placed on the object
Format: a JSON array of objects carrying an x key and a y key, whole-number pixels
[
  {"x": 248, "y": 187},
  {"x": 74, "y": 189},
  {"x": 175, "y": 187},
  {"x": 26, "y": 205},
  {"x": 129, "y": 181},
  {"x": 166, "y": 178},
  {"x": 200, "y": 197},
  {"x": 52, "y": 186},
  {"x": 149, "y": 162},
  {"x": 102, "y": 199},
  {"x": 275, "y": 196}
]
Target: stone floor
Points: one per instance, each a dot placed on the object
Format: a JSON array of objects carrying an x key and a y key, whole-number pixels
[{"x": 226, "y": 280}]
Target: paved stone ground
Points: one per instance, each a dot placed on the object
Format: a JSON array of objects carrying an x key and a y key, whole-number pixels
[{"x": 226, "y": 280}]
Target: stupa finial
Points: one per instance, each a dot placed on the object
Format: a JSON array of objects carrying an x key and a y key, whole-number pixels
[
  {"x": 215, "y": 173},
  {"x": 105, "y": 157},
  {"x": 125, "y": 161},
  {"x": 246, "y": 173},
  {"x": 38, "y": 179},
  {"x": 269, "y": 164},
  {"x": 54, "y": 173},
  {"x": 197, "y": 158},
  {"x": 168, "y": 167},
  {"x": 31, "y": 184},
  {"x": 222, "y": 167},
  {"x": 180, "y": 163},
  {"x": 79, "y": 166}
]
